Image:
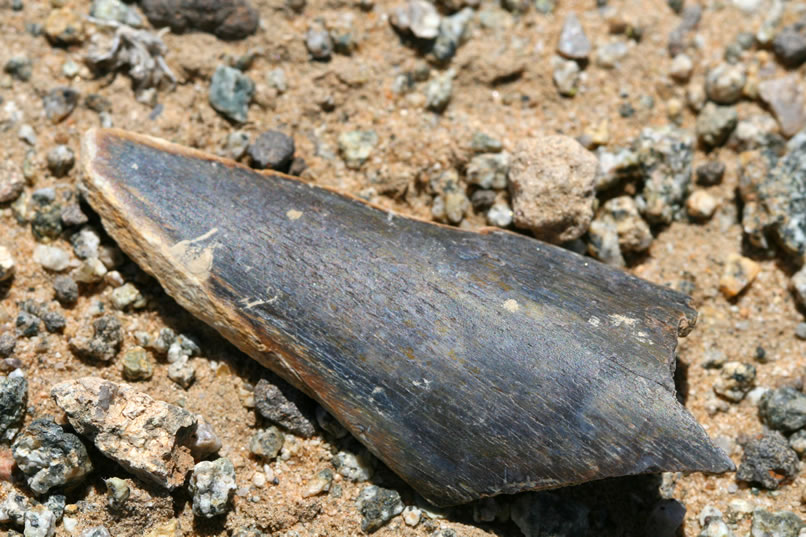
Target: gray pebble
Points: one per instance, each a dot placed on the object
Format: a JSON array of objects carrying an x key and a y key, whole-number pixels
[
  {"x": 715, "y": 123},
  {"x": 39, "y": 522},
  {"x": 49, "y": 457},
  {"x": 784, "y": 97},
  {"x": 356, "y": 146},
  {"x": 100, "y": 341},
  {"x": 8, "y": 341},
  {"x": 452, "y": 33},
  {"x": 230, "y": 93},
  {"x": 54, "y": 321},
  {"x": 725, "y": 82},
  {"x": 783, "y": 409},
  {"x": 566, "y": 77},
  {"x": 137, "y": 365},
  {"x": 85, "y": 243},
  {"x": 127, "y": 295},
  {"x": 710, "y": 173},
  {"x": 484, "y": 143},
  {"x": 489, "y": 170},
  {"x": 60, "y": 160},
  {"x": 19, "y": 67},
  {"x": 72, "y": 215},
  {"x": 12, "y": 183},
  {"x": 780, "y": 524},
  {"x": 65, "y": 290},
  {"x": 377, "y": 507},
  {"x": 47, "y": 222},
  {"x": 768, "y": 461},
  {"x": 276, "y": 79},
  {"x": 205, "y": 441},
  {"x": 789, "y": 44},
  {"x": 27, "y": 324},
  {"x": 283, "y": 405},
  {"x": 13, "y": 400},
  {"x": 438, "y": 92},
  {"x": 797, "y": 441},
  {"x": 800, "y": 331},
  {"x": 227, "y": 19},
  {"x": 573, "y": 43},
  {"x": 355, "y": 467},
  {"x": 266, "y": 443},
  {"x": 271, "y": 150},
  {"x": 319, "y": 483},
  {"x": 418, "y": 17},
  {"x": 237, "y": 144},
  {"x": 115, "y": 10},
  {"x": 319, "y": 43},
  {"x": 211, "y": 485},
  {"x": 481, "y": 200},
  {"x": 500, "y": 215},
  {"x": 609, "y": 54},
  {"x": 59, "y": 103},
  {"x": 27, "y": 134},
  {"x": 13, "y": 506},
  {"x": 735, "y": 380},
  {"x": 56, "y": 504}
]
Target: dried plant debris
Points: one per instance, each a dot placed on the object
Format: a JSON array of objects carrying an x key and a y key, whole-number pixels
[{"x": 138, "y": 53}]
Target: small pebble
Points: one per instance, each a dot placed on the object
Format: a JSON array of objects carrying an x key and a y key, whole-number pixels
[
  {"x": 735, "y": 380},
  {"x": 237, "y": 144},
  {"x": 72, "y": 215},
  {"x": 318, "y": 42},
  {"x": 60, "y": 160},
  {"x": 65, "y": 290},
  {"x": 789, "y": 45},
  {"x": 50, "y": 457},
  {"x": 19, "y": 67},
  {"x": 438, "y": 92},
  {"x": 318, "y": 484},
  {"x": 127, "y": 295},
  {"x": 377, "y": 507},
  {"x": 725, "y": 82},
  {"x": 715, "y": 123},
  {"x": 573, "y": 43},
  {"x": 13, "y": 400},
  {"x": 100, "y": 341},
  {"x": 710, "y": 173},
  {"x": 356, "y": 146},
  {"x": 354, "y": 467},
  {"x": 271, "y": 150},
  {"x": 117, "y": 11},
  {"x": 783, "y": 409},
  {"x": 137, "y": 365},
  {"x": 489, "y": 170},
  {"x": 768, "y": 461},
  {"x": 411, "y": 516},
  {"x": 800, "y": 331},
  {"x": 681, "y": 68},
  {"x": 566, "y": 76},
  {"x": 39, "y": 522},
  {"x": 51, "y": 257},
  {"x": 7, "y": 264},
  {"x": 211, "y": 485},
  {"x": 117, "y": 492},
  {"x": 701, "y": 205},
  {"x": 418, "y": 17},
  {"x": 230, "y": 93},
  {"x": 59, "y": 103},
  {"x": 500, "y": 214},
  {"x": 484, "y": 143},
  {"x": 90, "y": 271},
  {"x": 738, "y": 274},
  {"x": 267, "y": 443},
  {"x": 27, "y": 134}
]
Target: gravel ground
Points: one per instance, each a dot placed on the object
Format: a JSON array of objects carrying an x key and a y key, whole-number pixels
[{"x": 693, "y": 111}]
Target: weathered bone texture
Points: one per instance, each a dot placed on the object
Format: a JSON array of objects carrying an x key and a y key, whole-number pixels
[{"x": 472, "y": 364}]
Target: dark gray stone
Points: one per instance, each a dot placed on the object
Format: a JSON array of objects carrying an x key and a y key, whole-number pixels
[
  {"x": 59, "y": 103},
  {"x": 768, "y": 461},
  {"x": 227, "y": 19},
  {"x": 271, "y": 150},
  {"x": 783, "y": 409},
  {"x": 8, "y": 341},
  {"x": 284, "y": 405},
  {"x": 100, "y": 342},
  {"x": 377, "y": 507},
  {"x": 19, "y": 67},
  {"x": 50, "y": 457},
  {"x": 13, "y": 399},
  {"x": 710, "y": 173},
  {"x": 65, "y": 290},
  {"x": 790, "y": 44}
]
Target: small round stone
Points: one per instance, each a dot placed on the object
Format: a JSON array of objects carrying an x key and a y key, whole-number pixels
[
  {"x": 117, "y": 492},
  {"x": 51, "y": 257},
  {"x": 725, "y": 82},
  {"x": 271, "y": 150},
  {"x": 267, "y": 443},
  {"x": 681, "y": 68},
  {"x": 65, "y": 290},
  {"x": 230, "y": 93},
  {"x": 356, "y": 146},
  {"x": 319, "y": 43},
  {"x": 60, "y": 160},
  {"x": 211, "y": 485},
  {"x": 710, "y": 173},
  {"x": 701, "y": 205},
  {"x": 137, "y": 365},
  {"x": 7, "y": 264}
]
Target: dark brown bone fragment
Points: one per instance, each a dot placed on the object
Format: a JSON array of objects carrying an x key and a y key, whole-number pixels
[{"x": 472, "y": 364}]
